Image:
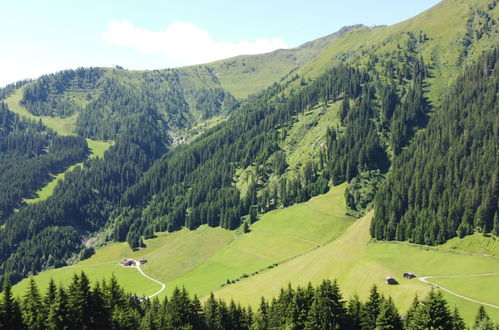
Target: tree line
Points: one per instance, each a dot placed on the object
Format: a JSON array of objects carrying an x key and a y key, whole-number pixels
[
  {"x": 29, "y": 154},
  {"x": 446, "y": 183},
  {"x": 106, "y": 305}
]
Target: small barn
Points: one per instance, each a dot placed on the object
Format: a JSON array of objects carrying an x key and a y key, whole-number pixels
[
  {"x": 127, "y": 262},
  {"x": 390, "y": 280},
  {"x": 409, "y": 276},
  {"x": 143, "y": 261}
]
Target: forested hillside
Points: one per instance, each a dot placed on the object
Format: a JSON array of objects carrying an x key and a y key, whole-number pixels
[
  {"x": 107, "y": 306},
  {"x": 29, "y": 153},
  {"x": 446, "y": 182},
  {"x": 415, "y": 103}
]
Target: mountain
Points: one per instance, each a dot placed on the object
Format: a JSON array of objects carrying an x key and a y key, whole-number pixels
[{"x": 405, "y": 114}]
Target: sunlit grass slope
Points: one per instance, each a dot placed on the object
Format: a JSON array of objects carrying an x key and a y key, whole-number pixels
[
  {"x": 278, "y": 236},
  {"x": 63, "y": 126},
  {"x": 168, "y": 255},
  {"x": 204, "y": 259},
  {"x": 357, "y": 263}
]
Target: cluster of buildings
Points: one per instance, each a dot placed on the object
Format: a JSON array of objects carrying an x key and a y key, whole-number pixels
[
  {"x": 131, "y": 262},
  {"x": 391, "y": 281}
]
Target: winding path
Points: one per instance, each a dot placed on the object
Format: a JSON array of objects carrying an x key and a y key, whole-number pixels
[
  {"x": 425, "y": 280},
  {"x": 137, "y": 265}
]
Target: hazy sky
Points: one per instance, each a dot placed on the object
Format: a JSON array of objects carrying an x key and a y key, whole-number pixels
[{"x": 40, "y": 37}]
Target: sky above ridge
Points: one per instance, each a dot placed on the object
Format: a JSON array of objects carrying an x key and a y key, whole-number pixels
[{"x": 46, "y": 36}]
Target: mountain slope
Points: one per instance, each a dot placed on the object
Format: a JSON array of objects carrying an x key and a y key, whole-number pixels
[
  {"x": 348, "y": 114},
  {"x": 248, "y": 74}
]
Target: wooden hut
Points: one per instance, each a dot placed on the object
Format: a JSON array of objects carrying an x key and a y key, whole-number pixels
[
  {"x": 409, "y": 276},
  {"x": 390, "y": 280}
]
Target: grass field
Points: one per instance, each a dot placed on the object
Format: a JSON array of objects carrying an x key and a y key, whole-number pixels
[
  {"x": 278, "y": 236},
  {"x": 203, "y": 259},
  {"x": 170, "y": 254},
  {"x": 63, "y": 126},
  {"x": 357, "y": 263},
  {"x": 483, "y": 288},
  {"x": 308, "y": 242}
]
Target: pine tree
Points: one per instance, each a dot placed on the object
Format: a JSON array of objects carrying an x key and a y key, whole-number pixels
[
  {"x": 371, "y": 309},
  {"x": 58, "y": 315},
  {"x": 388, "y": 318},
  {"x": 328, "y": 309},
  {"x": 355, "y": 308},
  {"x": 411, "y": 312},
  {"x": 32, "y": 307},
  {"x": 457, "y": 321},
  {"x": 482, "y": 320},
  {"x": 10, "y": 310},
  {"x": 50, "y": 296},
  {"x": 433, "y": 313}
]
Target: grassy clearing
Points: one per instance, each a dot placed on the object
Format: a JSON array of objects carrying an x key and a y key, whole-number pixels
[
  {"x": 97, "y": 149},
  {"x": 48, "y": 189},
  {"x": 483, "y": 288},
  {"x": 308, "y": 134},
  {"x": 477, "y": 243},
  {"x": 358, "y": 263},
  {"x": 168, "y": 255},
  {"x": 278, "y": 236},
  {"x": 63, "y": 126}
]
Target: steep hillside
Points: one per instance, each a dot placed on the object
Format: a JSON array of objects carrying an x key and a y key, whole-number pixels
[
  {"x": 359, "y": 106},
  {"x": 358, "y": 263},
  {"x": 206, "y": 258},
  {"x": 248, "y": 74}
]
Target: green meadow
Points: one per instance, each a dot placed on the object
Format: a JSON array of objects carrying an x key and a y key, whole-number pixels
[
  {"x": 357, "y": 263},
  {"x": 307, "y": 242},
  {"x": 63, "y": 126}
]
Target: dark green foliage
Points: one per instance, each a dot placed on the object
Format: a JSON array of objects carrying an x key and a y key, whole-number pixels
[
  {"x": 107, "y": 306},
  {"x": 210, "y": 103},
  {"x": 388, "y": 317},
  {"x": 47, "y": 233},
  {"x": 44, "y": 96},
  {"x": 446, "y": 183},
  {"x": 431, "y": 313},
  {"x": 359, "y": 195},
  {"x": 29, "y": 154}
]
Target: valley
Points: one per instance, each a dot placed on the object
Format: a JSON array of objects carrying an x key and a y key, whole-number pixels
[
  {"x": 263, "y": 191},
  {"x": 283, "y": 248}
]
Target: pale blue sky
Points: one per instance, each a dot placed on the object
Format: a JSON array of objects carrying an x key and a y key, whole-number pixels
[{"x": 45, "y": 36}]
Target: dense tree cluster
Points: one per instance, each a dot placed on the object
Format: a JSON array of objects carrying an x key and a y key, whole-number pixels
[
  {"x": 47, "y": 233},
  {"x": 45, "y": 95},
  {"x": 446, "y": 182},
  {"x": 107, "y": 306},
  {"x": 29, "y": 154},
  {"x": 163, "y": 91}
]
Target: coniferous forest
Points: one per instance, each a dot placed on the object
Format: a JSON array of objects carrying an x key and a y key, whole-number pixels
[
  {"x": 409, "y": 126},
  {"x": 107, "y": 306}
]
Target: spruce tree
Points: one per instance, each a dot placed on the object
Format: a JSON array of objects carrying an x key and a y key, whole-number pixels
[
  {"x": 388, "y": 318},
  {"x": 10, "y": 310},
  {"x": 32, "y": 307},
  {"x": 58, "y": 315},
  {"x": 433, "y": 313},
  {"x": 328, "y": 309},
  {"x": 371, "y": 309}
]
